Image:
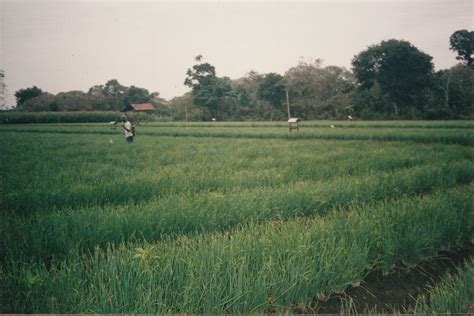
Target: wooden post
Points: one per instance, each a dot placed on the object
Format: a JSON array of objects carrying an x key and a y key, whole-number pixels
[{"x": 288, "y": 103}]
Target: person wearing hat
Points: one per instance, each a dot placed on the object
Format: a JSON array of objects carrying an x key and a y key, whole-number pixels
[{"x": 128, "y": 130}]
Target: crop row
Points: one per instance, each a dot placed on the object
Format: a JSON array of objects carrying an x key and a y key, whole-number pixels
[
  {"x": 277, "y": 266},
  {"x": 46, "y": 172},
  {"x": 454, "y": 295},
  {"x": 207, "y": 225},
  {"x": 327, "y": 124},
  {"x": 98, "y": 116},
  {"x": 58, "y": 232},
  {"x": 461, "y": 136},
  {"x": 64, "y": 117}
]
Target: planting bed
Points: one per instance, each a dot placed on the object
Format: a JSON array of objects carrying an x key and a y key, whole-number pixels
[{"x": 233, "y": 217}]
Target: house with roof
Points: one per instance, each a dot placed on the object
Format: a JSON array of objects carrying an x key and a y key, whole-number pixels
[{"x": 140, "y": 108}]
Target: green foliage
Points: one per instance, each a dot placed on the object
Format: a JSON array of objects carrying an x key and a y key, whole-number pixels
[
  {"x": 113, "y": 88},
  {"x": 208, "y": 89},
  {"x": 248, "y": 105},
  {"x": 252, "y": 269},
  {"x": 403, "y": 73},
  {"x": 453, "y": 96},
  {"x": 66, "y": 117},
  {"x": 449, "y": 134},
  {"x": 390, "y": 80},
  {"x": 453, "y": 295},
  {"x": 109, "y": 97},
  {"x": 221, "y": 224},
  {"x": 114, "y": 92},
  {"x": 271, "y": 89},
  {"x": 72, "y": 101},
  {"x": 317, "y": 92},
  {"x": 461, "y": 94},
  {"x": 211, "y": 96},
  {"x": 200, "y": 74},
  {"x": 462, "y": 42},
  {"x": 43, "y": 103},
  {"x": 135, "y": 95},
  {"x": 24, "y": 95}
]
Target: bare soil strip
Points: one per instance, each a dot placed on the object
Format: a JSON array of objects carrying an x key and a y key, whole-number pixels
[{"x": 398, "y": 291}]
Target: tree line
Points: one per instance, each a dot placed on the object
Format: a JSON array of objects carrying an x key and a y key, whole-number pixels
[
  {"x": 390, "y": 80},
  {"x": 112, "y": 96}
]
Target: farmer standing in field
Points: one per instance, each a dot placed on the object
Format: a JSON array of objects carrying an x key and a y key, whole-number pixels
[{"x": 128, "y": 130}]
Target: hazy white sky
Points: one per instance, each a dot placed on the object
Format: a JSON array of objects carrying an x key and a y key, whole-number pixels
[{"x": 73, "y": 45}]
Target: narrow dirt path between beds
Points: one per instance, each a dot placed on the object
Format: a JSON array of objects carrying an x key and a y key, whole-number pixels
[{"x": 399, "y": 289}]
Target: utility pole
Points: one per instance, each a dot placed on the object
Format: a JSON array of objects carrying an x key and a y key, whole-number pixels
[
  {"x": 288, "y": 103},
  {"x": 2, "y": 90}
]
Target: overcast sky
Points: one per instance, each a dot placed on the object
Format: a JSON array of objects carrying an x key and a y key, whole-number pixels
[{"x": 73, "y": 45}]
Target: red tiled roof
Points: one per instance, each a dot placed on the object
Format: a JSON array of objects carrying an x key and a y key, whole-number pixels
[{"x": 143, "y": 107}]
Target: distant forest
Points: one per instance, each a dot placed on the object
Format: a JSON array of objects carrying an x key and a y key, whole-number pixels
[{"x": 390, "y": 80}]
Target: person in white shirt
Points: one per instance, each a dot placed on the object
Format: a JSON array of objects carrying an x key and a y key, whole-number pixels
[{"x": 127, "y": 128}]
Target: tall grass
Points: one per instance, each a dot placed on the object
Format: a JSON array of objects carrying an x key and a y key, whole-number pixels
[{"x": 256, "y": 268}]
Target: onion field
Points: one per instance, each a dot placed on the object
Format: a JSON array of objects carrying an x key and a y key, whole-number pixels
[{"x": 226, "y": 217}]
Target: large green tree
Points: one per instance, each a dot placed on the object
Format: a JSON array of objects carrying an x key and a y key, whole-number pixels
[
  {"x": 208, "y": 90},
  {"x": 272, "y": 89},
  {"x": 403, "y": 72},
  {"x": 319, "y": 92},
  {"x": 245, "y": 92},
  {"x": 42, "y": 103},
  {"x": 114, "y": 90},
  {"x": 453, "y": 94},
  {"x": 99, "y": 99},
  {"x": 462, "y": 42},
  {"x": 23, "y": 95},
  {"x": 73, "y": 101},
  {"x": 135, "y": 95}
]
